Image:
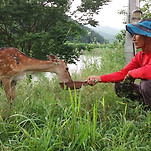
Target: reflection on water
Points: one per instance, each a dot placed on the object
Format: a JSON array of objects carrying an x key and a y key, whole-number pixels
[
  {"x": 83, "y": 61},
  {"x": 75, "y": 68}
]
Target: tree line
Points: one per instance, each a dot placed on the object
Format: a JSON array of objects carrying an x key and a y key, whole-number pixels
[{"x": 40, "y": 27}]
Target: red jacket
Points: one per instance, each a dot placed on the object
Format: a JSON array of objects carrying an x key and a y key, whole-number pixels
[{"x": 138, "y": 68}]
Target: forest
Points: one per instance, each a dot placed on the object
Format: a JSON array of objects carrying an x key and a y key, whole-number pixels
[{"x": 40, "y": 27}]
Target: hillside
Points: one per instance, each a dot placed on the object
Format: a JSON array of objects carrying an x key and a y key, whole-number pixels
[
  {"x": 93, "y": 36},
  {"x": 89, "y": 36},
  {"x": 99, "y": 34},
  {"x": 106, "y": 32}
]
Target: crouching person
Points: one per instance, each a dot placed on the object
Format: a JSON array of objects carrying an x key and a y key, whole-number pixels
[{"x": 138, "y": 68}]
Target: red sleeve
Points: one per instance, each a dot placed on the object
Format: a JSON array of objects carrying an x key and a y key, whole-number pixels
[
  {"x": 142, "y": 73},
  {"x": 120, "y": 75},
  {"x": 114, "y": 77}
]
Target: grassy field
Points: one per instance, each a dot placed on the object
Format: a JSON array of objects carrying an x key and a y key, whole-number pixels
[{"x": 45, "y": 117}]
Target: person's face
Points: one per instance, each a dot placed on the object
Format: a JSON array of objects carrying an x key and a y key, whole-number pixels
[{"x": 139, "y": 41}]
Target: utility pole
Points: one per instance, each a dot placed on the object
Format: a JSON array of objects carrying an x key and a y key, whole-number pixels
[{"x": 133, "y": 16}]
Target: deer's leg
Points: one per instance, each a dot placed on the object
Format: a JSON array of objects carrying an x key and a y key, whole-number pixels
[
  {"x": 13, "y": 90},
  {"x": 7, "y": 88}
]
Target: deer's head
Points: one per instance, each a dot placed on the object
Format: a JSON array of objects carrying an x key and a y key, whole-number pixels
[{"x": 60, "y": 68}]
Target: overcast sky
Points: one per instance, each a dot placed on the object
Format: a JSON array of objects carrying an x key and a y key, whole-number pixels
[{"x": 109, "y": 14}]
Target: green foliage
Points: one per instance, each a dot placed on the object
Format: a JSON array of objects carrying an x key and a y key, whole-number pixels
[
  {"x": 89, "y": 8},
  {"x": 120, "y": 38},
  {"x": 39, "y": 27},
  {"x": 90, "y": 37},
  {"x": 146, "y": 9},
  {"x": 35, "y": 28},
  {"x": 45, "y": 117},
  {"x": 84, "y": 46}
]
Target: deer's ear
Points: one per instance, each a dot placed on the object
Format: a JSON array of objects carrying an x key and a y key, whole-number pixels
[{"x": 52, "y": 58}]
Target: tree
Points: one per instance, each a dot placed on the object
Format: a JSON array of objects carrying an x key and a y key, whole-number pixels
[
  {"x": 39, "y": 27},
  {"x": 146, "y": 9},
  {"x": 88, "y": 9}
]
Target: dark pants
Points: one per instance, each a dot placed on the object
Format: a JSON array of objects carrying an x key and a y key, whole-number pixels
[{"x": 133, "y": 91}]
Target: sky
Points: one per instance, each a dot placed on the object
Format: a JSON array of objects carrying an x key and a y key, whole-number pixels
[{"x": 109, "y": 16}]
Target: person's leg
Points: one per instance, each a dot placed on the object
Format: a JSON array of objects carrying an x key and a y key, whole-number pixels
[
  {"x": 145, "y": 89},
  {"x": 128, "y": 90}
]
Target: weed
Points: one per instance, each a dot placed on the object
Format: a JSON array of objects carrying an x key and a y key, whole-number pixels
[{"x": 45, "y": 117}]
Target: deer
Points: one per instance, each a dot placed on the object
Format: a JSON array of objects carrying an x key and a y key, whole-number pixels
[{"x": 14, "y": 65}]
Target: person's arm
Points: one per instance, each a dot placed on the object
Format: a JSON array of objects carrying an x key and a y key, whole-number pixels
[
  {"x": 142, "y": 72},
  {"x": 116, "y": 76}
]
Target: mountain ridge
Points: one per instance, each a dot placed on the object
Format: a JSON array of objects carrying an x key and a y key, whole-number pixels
[{"x": 107, "y": 32}]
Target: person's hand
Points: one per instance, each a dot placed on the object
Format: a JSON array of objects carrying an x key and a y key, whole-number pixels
[
  {"x": 92, "y": 80},
  {"x": 129, "y": 78}
]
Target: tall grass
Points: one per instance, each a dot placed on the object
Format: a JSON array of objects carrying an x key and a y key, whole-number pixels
[{"x": 45, "y": 117}]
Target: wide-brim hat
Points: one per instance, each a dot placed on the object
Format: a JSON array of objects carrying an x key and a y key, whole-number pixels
[{"x": 141, "y": 28}]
